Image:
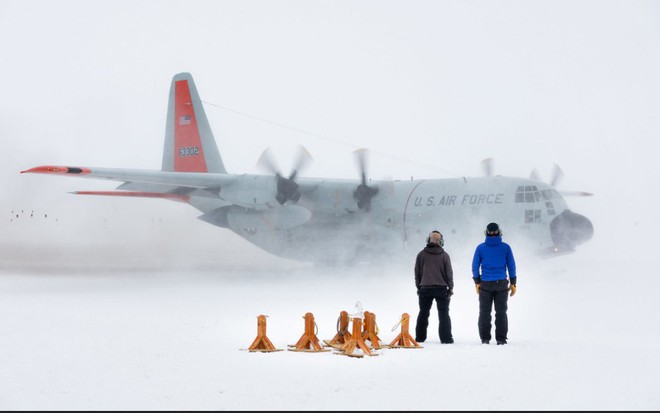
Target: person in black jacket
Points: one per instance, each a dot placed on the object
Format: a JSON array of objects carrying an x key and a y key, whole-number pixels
[{"x": 434, "y": 279}]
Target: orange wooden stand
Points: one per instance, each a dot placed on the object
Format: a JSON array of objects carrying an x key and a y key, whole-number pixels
[
  {"x": 404, "y": 339},
  {"x": 262, "y": 343},
  {"x": 356, "y": 341},
  {"x": 343, "y": 335},
  {"x": 370, "y": 328},
  {"x": 308, "y": 342}
]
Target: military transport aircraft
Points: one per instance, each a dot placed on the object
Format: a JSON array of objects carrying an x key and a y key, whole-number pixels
[{"x": 337, "y": 220}]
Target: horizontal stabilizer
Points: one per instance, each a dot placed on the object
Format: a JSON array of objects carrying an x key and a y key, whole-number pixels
[{"x": 173, "y": 197}]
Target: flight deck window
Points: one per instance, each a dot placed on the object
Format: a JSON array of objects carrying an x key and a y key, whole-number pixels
[
  {"x": 520, "y": 194},
  {"x": 528, "y": 193},
  {"x": 550, "y": 207},
  {"x": 549, "y": 194}
]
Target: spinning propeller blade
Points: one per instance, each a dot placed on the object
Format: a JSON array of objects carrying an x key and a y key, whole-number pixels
[
  {"x": 535, "y": 175},
  {"x": 363, "y": 193},
  {"x": 287, "y": 188},
  {"x": 557, "y": 176},
  {"x": 487, "y": 167}
]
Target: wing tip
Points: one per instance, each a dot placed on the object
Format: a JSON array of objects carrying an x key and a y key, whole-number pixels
[{"x": 52, "y": 169}]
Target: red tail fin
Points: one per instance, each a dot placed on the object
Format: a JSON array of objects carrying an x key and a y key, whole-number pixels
[
  {"x": 189, "y": 142},
  {"x": 188, "y": 150}
]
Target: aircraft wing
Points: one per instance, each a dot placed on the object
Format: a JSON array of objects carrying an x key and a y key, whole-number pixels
[
  {"x": 196, "y": 180},
  {"x": 176, "y": 186},
  {"x": 250, "y": 191}
]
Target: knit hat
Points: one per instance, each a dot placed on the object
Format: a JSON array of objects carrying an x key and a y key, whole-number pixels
[{"x": 493, "y": 230}]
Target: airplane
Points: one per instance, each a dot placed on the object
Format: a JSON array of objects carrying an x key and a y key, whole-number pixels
[{"x": 338, "y": 220}]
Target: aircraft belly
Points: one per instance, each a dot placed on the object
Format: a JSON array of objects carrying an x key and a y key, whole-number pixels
[{"x": 318, "y": 240}]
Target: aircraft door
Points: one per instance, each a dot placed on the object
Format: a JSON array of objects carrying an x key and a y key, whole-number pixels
[{"x": 412, "y": 214}]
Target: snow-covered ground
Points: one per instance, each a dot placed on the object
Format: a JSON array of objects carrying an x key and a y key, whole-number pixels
[{"x": 131, "y": 327}]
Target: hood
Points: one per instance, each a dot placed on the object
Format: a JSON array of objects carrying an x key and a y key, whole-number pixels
[
  {"x": 493, "y": 240},
  {"x": 434, "y": 249}
]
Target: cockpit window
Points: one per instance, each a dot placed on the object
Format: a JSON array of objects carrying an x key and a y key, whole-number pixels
[
  {"x": 520, "y": 194},
  {"x": 550, "y": 208},
  {"x": 549, "y": 194},
  {"x": 527, "y": 193}
]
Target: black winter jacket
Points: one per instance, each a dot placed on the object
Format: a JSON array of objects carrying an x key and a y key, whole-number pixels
[{"x": 433, "y": 268}]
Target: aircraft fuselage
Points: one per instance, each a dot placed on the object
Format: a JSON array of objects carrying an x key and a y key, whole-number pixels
[{"x": 402, "y": 215}]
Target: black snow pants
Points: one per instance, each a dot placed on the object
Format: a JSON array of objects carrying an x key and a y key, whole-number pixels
[
  {"x": 496, "y": 292},
  {"x": 441, "y": 297}
]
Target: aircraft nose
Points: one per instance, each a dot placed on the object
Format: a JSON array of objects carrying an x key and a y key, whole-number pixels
[{"x": 569, "y": 229}]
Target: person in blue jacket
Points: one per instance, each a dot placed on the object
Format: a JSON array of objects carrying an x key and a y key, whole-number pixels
[{"x": 491, "y": 261}]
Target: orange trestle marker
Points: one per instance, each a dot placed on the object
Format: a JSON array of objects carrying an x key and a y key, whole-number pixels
[
  {"x": 343, "y": 335},
  {"x": 262, "y": 343},
  {"x": 308, "y": 342},
  {"x": 404, "y": 339},
  {"x": 356, "y": 341},
  {"x": 369, "y": 332}
]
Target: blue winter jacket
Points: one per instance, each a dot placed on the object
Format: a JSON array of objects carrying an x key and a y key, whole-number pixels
[{"x": 494, "y": 257}]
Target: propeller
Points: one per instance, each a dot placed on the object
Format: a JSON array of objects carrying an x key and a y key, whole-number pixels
[
  {"x": 363, "y": 193},
  {"x": 535, "y": 175},
  {"x": 287, "y": 188},
  {"x": 557, "y": 173},
  {"x": 487, "y": 166},
  {"x": 557, "y": 176}
]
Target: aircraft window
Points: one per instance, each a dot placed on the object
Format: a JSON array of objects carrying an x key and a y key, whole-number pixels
[
  {"x": 520, "y": 194},
  {"x": 527, "y": 194},
  {"x": 549, "y": 194},
  {"x": 529, "y": 216},
  {"x": 532, "y": 216},
  {"x": 551, "y": 208}
]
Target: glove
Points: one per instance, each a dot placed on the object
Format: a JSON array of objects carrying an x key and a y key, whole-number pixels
[
  {"x": 451, "y": 292},
  {"x": 477, "y": 287},
  {"x": 512, "y": 288}
]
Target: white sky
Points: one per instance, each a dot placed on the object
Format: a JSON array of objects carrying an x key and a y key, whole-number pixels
[
  {"x": 431, "y": 87},
  {"x": 441, "y": 83}
]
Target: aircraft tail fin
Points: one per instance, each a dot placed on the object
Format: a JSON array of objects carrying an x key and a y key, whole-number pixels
[{"x": 189, "y": 142}]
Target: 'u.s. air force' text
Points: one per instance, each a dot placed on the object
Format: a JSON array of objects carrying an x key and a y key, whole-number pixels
[{"x": 467, "y": 199}]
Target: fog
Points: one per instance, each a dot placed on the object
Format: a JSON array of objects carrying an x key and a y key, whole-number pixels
[{"x": 431, "y": 88}]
